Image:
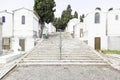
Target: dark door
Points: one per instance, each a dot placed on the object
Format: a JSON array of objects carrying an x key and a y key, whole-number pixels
[
  {"x": 97, "y": 43},
  {"x": 22, "y": 44},
  {"x": 6, "y": 43},
  {"x": 81, "y": 32}
]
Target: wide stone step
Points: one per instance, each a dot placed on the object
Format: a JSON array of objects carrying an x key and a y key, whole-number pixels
[
  {"x": 63, "y": 58},
  {"x": 65, "y": 54},
  {"x": 81, "y": 61},
  {"x": 62, "y": 62}
]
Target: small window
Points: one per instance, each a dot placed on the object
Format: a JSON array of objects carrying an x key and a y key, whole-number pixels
[
  {"x": 116, "y": 17},
  {"x": 23, "y": 19},
  {"x": 3, "y": 19},
  {"x": 97, "y": 17}
]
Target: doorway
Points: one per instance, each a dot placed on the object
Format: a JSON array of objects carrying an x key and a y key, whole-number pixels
[
  {"x": 97, "y": 43},
  {"x": 22, "y": 44},
  {"x": 81, "y": 32}
]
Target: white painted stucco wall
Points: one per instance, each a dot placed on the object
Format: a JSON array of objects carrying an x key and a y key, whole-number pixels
[
  {"x": 23, "y": 30},
  {"x": 113, "y": 24},
  {"x": 71, "y": 24},
  {"x": 7, "y": 27},
  {"x": 77, "y": 28},
  {"x": 26, "y": 31},
  {"x": 0, "y": 37},
  {"x": 51, "y": 28},
  {"x": 96, "y": 30}
]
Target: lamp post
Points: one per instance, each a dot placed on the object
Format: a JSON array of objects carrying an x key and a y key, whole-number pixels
[{"x": 60, "y": 45}]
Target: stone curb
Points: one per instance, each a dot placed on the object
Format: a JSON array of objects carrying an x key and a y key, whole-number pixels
[
  {"x": 107, "y": 59},
  {"x": 114, "y": 60}
]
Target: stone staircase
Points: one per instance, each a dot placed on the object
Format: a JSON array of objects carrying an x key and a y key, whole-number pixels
[{"x": 74, "y": 52}]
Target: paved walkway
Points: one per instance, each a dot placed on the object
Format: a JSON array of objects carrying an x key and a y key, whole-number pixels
[
  {"x": 73, "y": 50},
  {"x": 77, "y": 62}
]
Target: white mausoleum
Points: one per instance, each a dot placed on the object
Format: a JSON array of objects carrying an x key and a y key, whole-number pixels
[
  {"x": 99, "y": 29},
  {"x": 71, "y": 24},
  {"x": 49, "y": 28},
  {"x": 7, "y": 29},
  {"x": 21, "y": 29}
]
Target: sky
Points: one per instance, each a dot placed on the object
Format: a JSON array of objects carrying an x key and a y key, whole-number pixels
[{"x": 81, "y": 6}]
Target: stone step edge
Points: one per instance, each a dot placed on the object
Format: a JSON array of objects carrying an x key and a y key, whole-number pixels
[
  {"x": 39, "y": 55},
  {"x": 61, "y": 60},
  {"x": 58, "y": 63},
  {"x": 58, "y": 58}
]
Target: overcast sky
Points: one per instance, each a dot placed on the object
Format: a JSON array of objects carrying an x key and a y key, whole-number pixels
[{"x": 81, "y": 6}]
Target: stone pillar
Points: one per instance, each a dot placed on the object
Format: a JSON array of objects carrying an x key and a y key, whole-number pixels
[{"x": 1, "y": 39}]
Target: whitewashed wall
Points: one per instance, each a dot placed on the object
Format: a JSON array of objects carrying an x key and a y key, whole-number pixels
[
  {"x": 96, "y": 30},
  {"x": 51, "y": 28},
  {"x": 7, "y": 27},
  {"x": 0, "y": 38},
  {"x": 113, "y": 24},
  {"x": 77, "y": 28},
  {"x": 29, "y": 29},
  {"x": 71, "y": 24},
  {"x": 23, "y": 30},
  {"x": 114, "y": 42},
  {"x": 36, "y": 27}
]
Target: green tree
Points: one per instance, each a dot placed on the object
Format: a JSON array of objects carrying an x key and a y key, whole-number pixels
[
  {"x": 57, "y": 23},
  {"x": 66, "y": 16},
  {"x": 45, "y": 9},
  {"x": 82, "y": 18},
  {"x": 75, "y": 15},
  {"x": 98, "y": 8},
  {"x": 110, "y": 9}
]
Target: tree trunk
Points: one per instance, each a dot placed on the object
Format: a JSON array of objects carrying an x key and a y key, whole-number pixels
[{"x": 42, "y": 27}]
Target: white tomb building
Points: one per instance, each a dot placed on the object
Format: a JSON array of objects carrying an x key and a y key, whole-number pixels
[
  {"x": 71, "y": 25},
  {"x": 99, "y": 29},
  {"x": 20, "y": 29}
]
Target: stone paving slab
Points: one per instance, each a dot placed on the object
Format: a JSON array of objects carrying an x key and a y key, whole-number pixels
[
  {"x": 5, "y": 68},
  {"x": 63, "y": 73},
  {"x": 114, "y": 60}
]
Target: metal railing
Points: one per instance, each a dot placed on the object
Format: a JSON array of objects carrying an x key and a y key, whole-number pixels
[{"x": 60, "y": 44}]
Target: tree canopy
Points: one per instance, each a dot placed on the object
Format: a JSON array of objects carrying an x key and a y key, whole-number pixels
[
  {"x": 110, "y": 9},
  {"x": 45, "y": 9},
  {"x": 82, "y": 18},
  {"x": 98, "y": 8},
  {"x": 75, "y": 14},
  {"x": 66, "y": 15}
]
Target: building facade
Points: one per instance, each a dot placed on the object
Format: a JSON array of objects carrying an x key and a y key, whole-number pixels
[
  {"x": 71, "y": 24},
  {"x": 113, "y": 27},
  {"x": 101, "y": 29},
  {"x": 7, "y": 29},
  {"x": 21, "y": 29},
  {"x": 0, "y": 37},
  {"x": 95, "y": 23}
]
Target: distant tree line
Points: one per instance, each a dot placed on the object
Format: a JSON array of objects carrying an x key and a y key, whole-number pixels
[
  {"x": 61, "y": 22},
  {"x": 45, "y": 10}
]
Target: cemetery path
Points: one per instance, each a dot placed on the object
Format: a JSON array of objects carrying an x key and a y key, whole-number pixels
[{"x": 77, "y": 61}]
